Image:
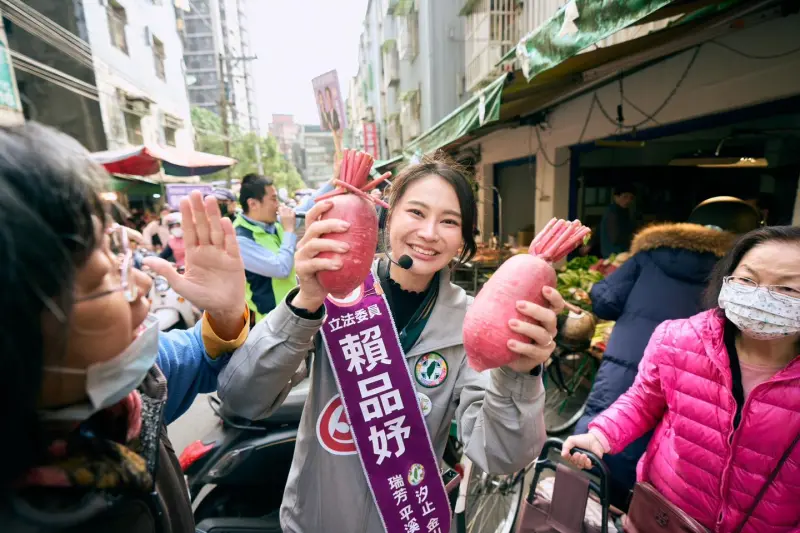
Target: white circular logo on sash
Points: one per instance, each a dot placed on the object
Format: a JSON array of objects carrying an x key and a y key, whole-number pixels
[
  {"x": 333, "y": 429},
  {"x": 425, "y": 404},
  {"x": 416, "y": 474},
  {"x": 351, "y": 299}
]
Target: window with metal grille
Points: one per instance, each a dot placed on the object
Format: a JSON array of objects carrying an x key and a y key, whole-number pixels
[
  {"x": 200, "y": 6},
  {"x": 394, "y": 134},
  {"x": 200, "y": 61},
  {"x": 410, "y": 115},
  {"x": 196, "y": 43},
  {"x": 491, "y": 30},
  {"x": 133, "y": 128},
  {"x": 408, "y": 36},
  {"x": 117, "y": 20},
  {"x": 169, "y": 136},
  {"x": 159, "y": 57},
  {"x": 197, "y": 25},
  {"x": 206, "y": 79}
]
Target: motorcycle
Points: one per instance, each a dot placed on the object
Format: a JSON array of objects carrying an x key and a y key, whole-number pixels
[
  {"x": 237, "y": 473},
  {"x": 173, "y": 310}
]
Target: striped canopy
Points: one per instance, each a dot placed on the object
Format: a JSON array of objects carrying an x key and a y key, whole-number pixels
[{"x": 146, "y": 160}]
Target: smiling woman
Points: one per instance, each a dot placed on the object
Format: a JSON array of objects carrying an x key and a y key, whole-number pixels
[
  {"x": 446, "y": 183},
  {"x": 431, "y": 216},
  {"x": 392, "y": 355}
]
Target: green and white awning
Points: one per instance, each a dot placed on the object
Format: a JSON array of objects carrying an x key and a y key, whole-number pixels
[
  {"x": 483, "y": 108},
  {"x": 555, "y": 68},
  {"x": 576, "y": 26}
]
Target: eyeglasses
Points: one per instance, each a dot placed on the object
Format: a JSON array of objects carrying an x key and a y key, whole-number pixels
[
  {"x": 779, "y": 292},
  {"x": 119, "y": 241}
]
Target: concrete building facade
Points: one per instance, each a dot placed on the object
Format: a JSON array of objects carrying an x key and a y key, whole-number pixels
[{"x": 217, "y": 47}]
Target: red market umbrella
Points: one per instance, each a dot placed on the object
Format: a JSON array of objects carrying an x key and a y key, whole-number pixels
[{"x": 149, "y": 159}]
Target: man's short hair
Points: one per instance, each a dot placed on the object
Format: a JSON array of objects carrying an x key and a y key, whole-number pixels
[
  {"x": 253, "y": 186},
  {"x": 622, "y": 188}
]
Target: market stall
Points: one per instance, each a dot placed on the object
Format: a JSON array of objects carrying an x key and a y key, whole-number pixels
[
  {"x": 472, "y": 275},
  {"x": 575, "y": 281},
  {"x": 134, "y": 192}
]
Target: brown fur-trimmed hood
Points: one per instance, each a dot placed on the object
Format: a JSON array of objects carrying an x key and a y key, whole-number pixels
[{"x": 683, "y": 236}]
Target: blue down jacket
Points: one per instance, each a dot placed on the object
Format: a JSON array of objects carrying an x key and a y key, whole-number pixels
[{"x": 663, "y": 280}]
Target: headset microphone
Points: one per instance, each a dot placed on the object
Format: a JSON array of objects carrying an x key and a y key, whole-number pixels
[{"x": 405, "y": 261}]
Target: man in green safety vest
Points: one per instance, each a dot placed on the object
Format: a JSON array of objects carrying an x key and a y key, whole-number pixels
[{"x": 267, "y": 246}]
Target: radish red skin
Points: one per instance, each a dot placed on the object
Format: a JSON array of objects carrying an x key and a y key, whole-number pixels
[
  {"x": 486, "y": 330},
  {"x": 362, "y": 238}
]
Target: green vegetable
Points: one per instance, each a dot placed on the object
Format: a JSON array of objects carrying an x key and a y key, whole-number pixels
[
  {"x": 582, "y": 263},
  {"x": 575, "y": 282}
]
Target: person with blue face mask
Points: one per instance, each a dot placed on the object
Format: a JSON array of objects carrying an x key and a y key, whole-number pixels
[{"x": 89, "y": 381}]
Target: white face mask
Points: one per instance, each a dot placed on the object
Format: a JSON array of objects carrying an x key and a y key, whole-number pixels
[
  {"x": 758, "y": 314},
  {"x": 108, "y": 382},
  {"x": 177, "y": 232}
]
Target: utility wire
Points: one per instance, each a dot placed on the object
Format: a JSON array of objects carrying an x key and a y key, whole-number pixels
[
  {"x": 651, "y": 117},
  {"x": 543, "y": 151},
  {"x": 754, "y": 56}
]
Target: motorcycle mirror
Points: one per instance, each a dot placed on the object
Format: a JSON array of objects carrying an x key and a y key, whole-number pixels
[{"x": 161, "y": 284}]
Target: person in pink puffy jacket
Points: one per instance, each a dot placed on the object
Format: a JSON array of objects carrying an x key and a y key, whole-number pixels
[{"x": 722, "y": 391}]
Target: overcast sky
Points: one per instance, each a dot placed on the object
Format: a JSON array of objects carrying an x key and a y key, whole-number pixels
[{"x": 295, "y": 41}]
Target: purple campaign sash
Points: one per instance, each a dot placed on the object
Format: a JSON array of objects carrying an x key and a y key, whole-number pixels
[{"x": 386, "y": 421}]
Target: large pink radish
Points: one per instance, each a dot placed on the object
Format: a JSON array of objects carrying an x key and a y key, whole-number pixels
[
  {"x": 352, "y": 204},
  {"x": 522, "y": 277},
  {"x": 362, "y": 238},
  {"x": 486, "y": 330}
]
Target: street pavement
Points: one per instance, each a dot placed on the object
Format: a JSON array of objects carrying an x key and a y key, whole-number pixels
[{"x": 198, "y": 421}]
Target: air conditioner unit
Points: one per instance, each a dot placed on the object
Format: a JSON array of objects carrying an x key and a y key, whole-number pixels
[{"x": 137, "y": 106}]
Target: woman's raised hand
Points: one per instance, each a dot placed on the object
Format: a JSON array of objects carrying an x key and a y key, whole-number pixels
[
  {"x": 214, "y": 278},
  {"x": 306, "y": 262}
]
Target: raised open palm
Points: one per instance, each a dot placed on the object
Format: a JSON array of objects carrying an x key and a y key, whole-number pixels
[{"x": 214, "y": 277}]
